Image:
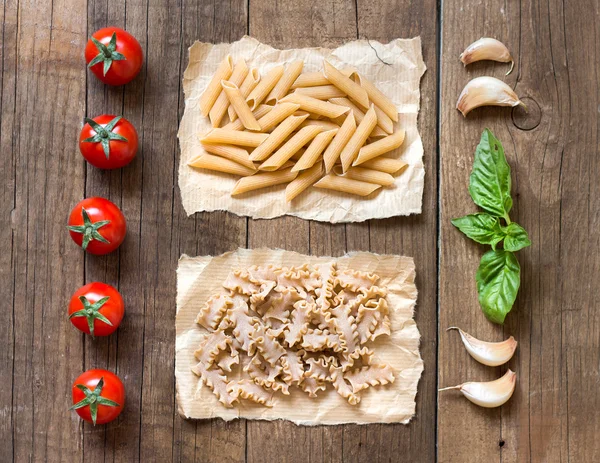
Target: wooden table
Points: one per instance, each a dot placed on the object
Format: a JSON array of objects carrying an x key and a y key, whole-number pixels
[{"x": 553, "y": 150}]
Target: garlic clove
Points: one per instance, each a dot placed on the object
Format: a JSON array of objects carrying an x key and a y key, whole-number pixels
[
  {"x": 487, "y": 48},
  {"x": 492, "y": 354},
  {"x": 489, "y": 394},
  {"x": 486, "y": 91}
]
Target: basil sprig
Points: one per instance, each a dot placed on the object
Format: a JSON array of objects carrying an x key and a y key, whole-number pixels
[{"x": 499, "y": 274}]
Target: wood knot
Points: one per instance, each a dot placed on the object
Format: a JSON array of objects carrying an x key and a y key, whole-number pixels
[{"x": 527, "y": 118}]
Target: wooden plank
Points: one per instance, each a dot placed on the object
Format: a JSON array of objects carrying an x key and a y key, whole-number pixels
[
  {"x": 47, "y": 102},
  {"x": 552, "y": 151},
  {"x": 209, "y": 234},
  {"x": 411, "y": 236},
  {"x": 287, "y": 24}
]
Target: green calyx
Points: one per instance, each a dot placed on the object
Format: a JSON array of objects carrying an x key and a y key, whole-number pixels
[
  {"x": 104, "y": 134},
  {"x": 91, "y": 312},
  {"x": 89, "y": 230},
  {"x": 93, "y": 399},
  {"x": 106, "y": 54}
]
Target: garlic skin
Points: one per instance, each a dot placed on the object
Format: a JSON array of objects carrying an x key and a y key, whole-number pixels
[
  {"x": 489, "y": 394},
  {"x": 486, "y": 91},
  {"x": 487, "y": 48},
  {"x": 491, "y": 354}
]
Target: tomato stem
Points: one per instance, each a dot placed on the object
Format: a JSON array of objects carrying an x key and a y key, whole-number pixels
[
  {"x": 89, "y": 230},
  {"x": 93, "y": 399},
  {"x": 106, "y": 54},
  {"x": 91, "y": 312},
  {"x": 104, "y": 134}
]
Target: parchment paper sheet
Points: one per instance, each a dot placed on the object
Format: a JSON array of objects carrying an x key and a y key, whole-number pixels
[
  {"x": 200, "y": 277},
  {"x": 203, "y": 190}
]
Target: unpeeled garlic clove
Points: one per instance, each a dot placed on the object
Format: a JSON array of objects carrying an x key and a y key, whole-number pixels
[
  {"x": 486, "y": 91},
  {"x": 492, "y": 354},
  {"x": 487, "y": 48},
  {"x": 489, "y": 394}
]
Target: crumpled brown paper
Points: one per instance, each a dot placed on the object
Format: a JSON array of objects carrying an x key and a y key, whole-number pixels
[
  {"x": 200, "y": 277},
  {"x": 203, "y": 190}
]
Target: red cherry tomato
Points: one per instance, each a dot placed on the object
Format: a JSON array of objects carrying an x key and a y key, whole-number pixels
[
  {"x": 108, "y": 142},
  {"x": 96, "y": 309},
  {"x": 114, "y": 55},
  {"x": 97, "y": 225},
  {"x": 98, "y": 396}
]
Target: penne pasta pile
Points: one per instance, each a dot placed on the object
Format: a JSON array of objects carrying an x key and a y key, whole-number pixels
[{"x": 324, "y": 129}]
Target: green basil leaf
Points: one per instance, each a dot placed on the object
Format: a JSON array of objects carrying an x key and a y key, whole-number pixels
[
  {"x": 516, "y": 237},
  {"x": 489, "y": 184},
  {"x": 498, "y": 279},
  {"x": 480, "y": 227}
]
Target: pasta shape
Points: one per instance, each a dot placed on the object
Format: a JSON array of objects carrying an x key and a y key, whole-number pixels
[
  {"x": 236, "y": 100},
  {"x": 373, "y": 375},
  {"x": 210, "y": 95},
  {"x": 220, "y": 164},
  {"x": 321, "y": 92},
  {"x": 249, "y": 83},
  {"x": 346, "y": 185},
  {"x": 213, "y": 311},
  {"x": 346, "y": 85},
  {"x": 382, "y": 146},
  {"x": 219, "y": 109},
  {"x": 263, "y": 180},
  {"x": 358, "y": 139},
  {"x": 264, "y": 87},
  {"x": 310, "y": 79},
  {"x": 283, "y": 85},
  {"x": 333, "y": 151},
  {"x": 303, "y": 181},
  {"x": 247, "y": 389}
]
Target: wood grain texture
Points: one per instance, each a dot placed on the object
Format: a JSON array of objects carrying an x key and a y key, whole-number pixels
[
  {"x": 553, "y": 413},
  {"x": 553, "y": 149}
]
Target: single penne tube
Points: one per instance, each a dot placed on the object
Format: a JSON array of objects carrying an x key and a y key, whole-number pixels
[
  {"x": 377, "y": 97},
  {"x": 219, "y": 109},
  {"x": 288, "y": 149},
  {"x": 346, "y": 185},
  {"x": 332, "y": 153},
  {"x": 249, "y": 83},
  {"x": 314, "y": 150},
  {"x": 234, "y": 137},
  {"x": 377, "y": 132},
  {"x": 379, "y": 147},
  {"x": 264, "y": 87},
  {"x": 358, "y": 139},
  {"x": 263, "y": 180},
  {"x": 220, "y": 164},
  {"x": 279, "y": 113},
  {"x": 321, "y": 92},
  {"x": 384, "y": 121},
  {"x": 345, "y": 84},
  {"x": 291, "y": 73},
  {"x": 326, "y": 125},
  {"x": 276, "y": 137},
  {"x": 310, "y": 79},
  {"x": 314, "y": 106},
  {"x": 389, "y": 165},
  {"x": 234, "y": 153},
  {"x": 366, "y": 175},
  {"x": 210, "y": 95},
  {"x": 259, "y": 112},
  {"x": 237, "y": 101},
  {"x": 303, "y": 181}
]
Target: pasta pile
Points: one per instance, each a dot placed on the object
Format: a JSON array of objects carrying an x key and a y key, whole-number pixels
[
  {"x": 280, "y": 327},
  {"x": 324, "y": 129}
]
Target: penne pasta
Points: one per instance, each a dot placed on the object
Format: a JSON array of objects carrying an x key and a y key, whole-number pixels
[
  {"x": 263, "y": 180},
  {"x": 332, "y": 153},
  {"x": 219, "y": 164},
  {"x": 258, "y": 113},
  {"x": 283, "y": 154},
  {"x": 366, "y": 175},
  {"x": 234, "y": 153},
  {"x": 358, "y": 139},
  {"x": 389, "y": 165},
  {"x": 234, "y": 137},
  {"x": 345, "y": 84},
  {"x": 377, "y": 132},
  {"x": 310, "y": 79},
  {"x": 346, "y": 185},
  {"x": 379, "y": 147},
  {"x": 312, "y": 105},
  {"x": 326, "y": 125},
  {"x": 239, "y": 105},
  {"x": 377, "y": 97},
  {"x": 264, "y": 87},
  {"x": 240, "y": 71},
  {"x": 321, "y": 92},
  {"x": 290, "y": 74},
  {"x": 210, "y": 95},
  {"x": 314, "y": 150},
  {"x": 384, "y": 121},
  {"x": 276, "y": 138},
  {"x": 250, "y": 82},
  {"x": 303, "y": 181},
  {"x": 280, "y": 112}
]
